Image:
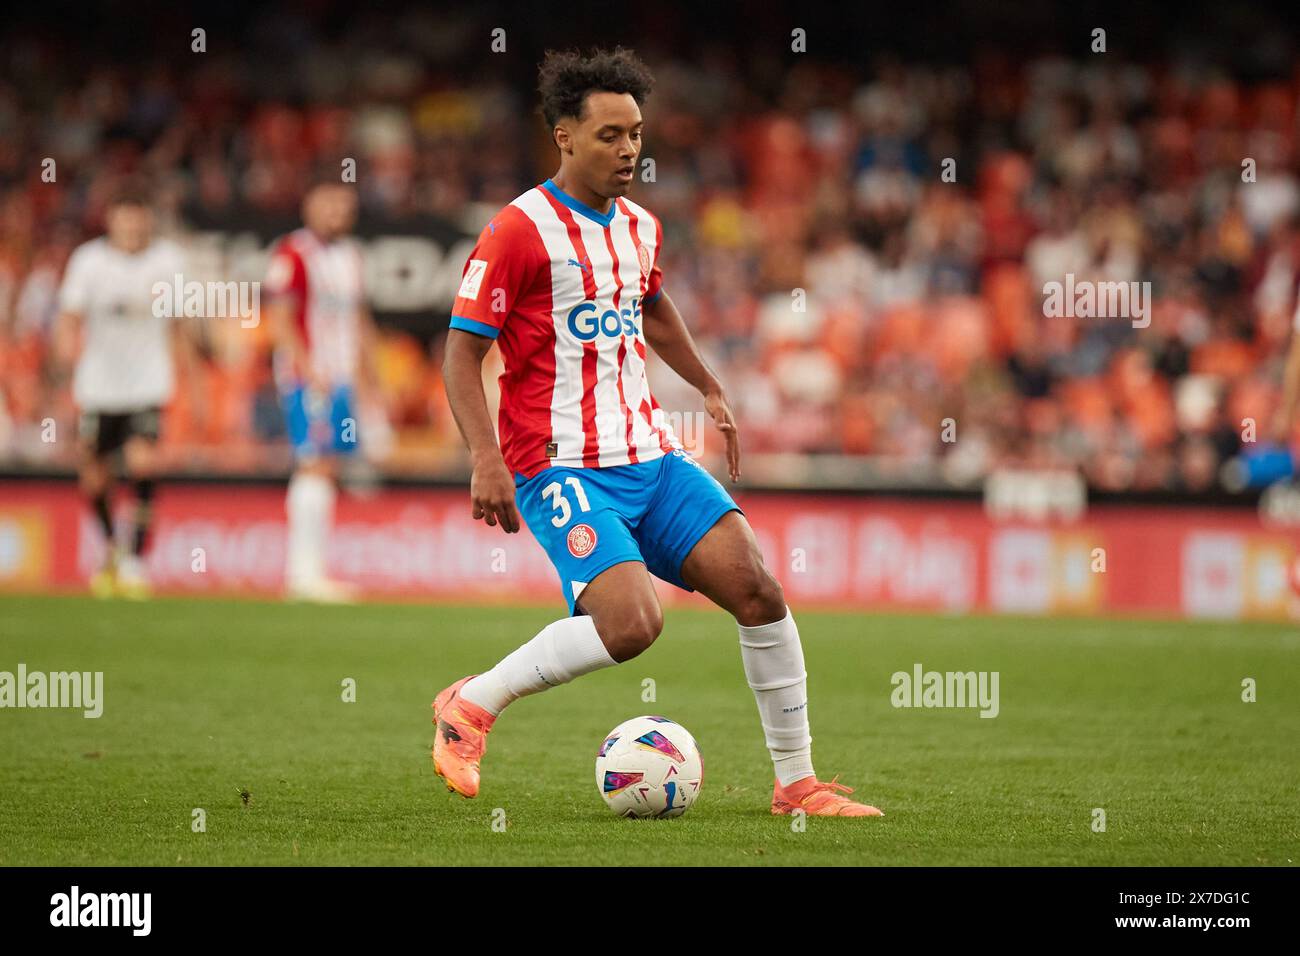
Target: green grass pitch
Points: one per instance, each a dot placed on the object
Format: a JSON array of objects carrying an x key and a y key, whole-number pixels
[{"x": 236, "y": 707}]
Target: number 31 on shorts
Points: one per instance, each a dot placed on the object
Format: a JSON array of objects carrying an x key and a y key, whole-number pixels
[{"x": 555, "y": 492}]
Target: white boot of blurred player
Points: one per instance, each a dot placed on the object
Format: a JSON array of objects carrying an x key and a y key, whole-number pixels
[{"x": 310, "y": 509}]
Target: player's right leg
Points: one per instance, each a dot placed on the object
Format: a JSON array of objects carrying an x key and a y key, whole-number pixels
[
  {"x": 95, "y": 479},
  {"x": 615, "y": 613},
  {"x": 620, "y": 618},
  {"x": 582, "y": 518},
  {"x": 309, "y": 509},
  {"x": 310, "y": 499}
]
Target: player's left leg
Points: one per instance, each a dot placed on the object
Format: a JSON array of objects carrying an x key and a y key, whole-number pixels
[
  {"x": 140, "y": 456},
  {"x": 726, "y": 566}
]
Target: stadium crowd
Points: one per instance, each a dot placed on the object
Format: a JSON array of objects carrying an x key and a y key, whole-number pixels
[{"x": 850, "y": 297}]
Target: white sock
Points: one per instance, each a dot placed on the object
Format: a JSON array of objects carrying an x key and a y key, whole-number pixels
[
  {"x": 561, "y": 651},
  {"x": 773, "y": 659},
  {"x": 310, "y": 508}
]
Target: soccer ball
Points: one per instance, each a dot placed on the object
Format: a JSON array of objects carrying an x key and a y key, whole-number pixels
[{"x": 649, "y": 767}]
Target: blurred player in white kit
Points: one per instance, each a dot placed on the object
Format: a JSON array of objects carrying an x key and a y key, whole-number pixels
[{"x": 124, "y": 375}]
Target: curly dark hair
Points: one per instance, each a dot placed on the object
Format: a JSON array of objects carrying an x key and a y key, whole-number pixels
[
  {"x": 132, "y": 191},
  {"x": 565, "y": 78}
]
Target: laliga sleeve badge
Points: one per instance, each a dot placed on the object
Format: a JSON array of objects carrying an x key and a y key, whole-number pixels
[
  {"x": 643, "y": 258},
  {"x": 475, "y": 269},
  {"x": 581, "y": 540}
]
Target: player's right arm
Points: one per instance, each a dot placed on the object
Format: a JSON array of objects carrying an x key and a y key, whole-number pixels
[
  {"x": 74, "y": 293},
  {"x": 286, "y": 289},
  {"x": 67, "y": 337},
  {"x": 491, "y": 488},
  {"x": 499, "y": 271},
  {"x": 286, "y": 338}
]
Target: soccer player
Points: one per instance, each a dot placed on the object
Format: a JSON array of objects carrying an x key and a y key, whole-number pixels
[
  {"x": 323, "y": 334},
  {"x": 124, "y": 375},
  {"x": 566, "y": 281}
]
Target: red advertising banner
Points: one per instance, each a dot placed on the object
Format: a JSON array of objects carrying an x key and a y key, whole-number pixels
[{"x": 827, "y": 550}]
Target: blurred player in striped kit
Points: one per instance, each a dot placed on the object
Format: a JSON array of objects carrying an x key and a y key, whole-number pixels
[
  {"x": 123, "y": 350},
  {"x": 322, "y": 332}
]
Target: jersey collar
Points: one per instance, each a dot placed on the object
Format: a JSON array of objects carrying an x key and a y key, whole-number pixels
[{"x": 581, "y": 207}]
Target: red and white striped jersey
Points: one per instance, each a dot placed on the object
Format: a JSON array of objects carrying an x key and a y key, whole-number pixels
[
  {"x": 560, "y": 287},
  {"x": 322, "y": 285}
]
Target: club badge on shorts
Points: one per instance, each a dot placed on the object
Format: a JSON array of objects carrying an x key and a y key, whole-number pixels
[{"x": 581, "y": 540}]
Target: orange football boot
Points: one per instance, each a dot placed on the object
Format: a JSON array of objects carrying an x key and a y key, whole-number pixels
[
  {"x": 460, "y": 739},
  {"x": 817, "y": 798}
]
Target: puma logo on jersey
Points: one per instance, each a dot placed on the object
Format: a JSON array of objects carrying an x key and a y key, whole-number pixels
[{"x": 584, "y": 265}]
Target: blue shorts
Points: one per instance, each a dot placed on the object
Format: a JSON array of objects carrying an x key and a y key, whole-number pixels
[
  {"x": 320, "y": 424},
  {"x": 588, "y": 519}
]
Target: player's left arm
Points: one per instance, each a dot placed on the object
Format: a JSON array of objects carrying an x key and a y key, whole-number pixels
[
  {"x": 667, "y": 334},
  {"x": 1284, "y": 419}
]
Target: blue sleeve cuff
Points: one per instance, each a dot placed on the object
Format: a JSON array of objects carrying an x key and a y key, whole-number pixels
[
  {"x": 473, "y": 325},
  {"x": 651, "y": 298}
]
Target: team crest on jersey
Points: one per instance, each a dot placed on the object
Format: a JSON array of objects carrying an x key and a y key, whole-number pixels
[
  {"x": 581, "y": 540},
  {"x": 643, "y": 257},
  {"x": 474, "y": 272}
]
